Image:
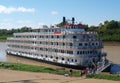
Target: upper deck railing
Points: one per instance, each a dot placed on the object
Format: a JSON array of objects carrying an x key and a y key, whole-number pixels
[
  {"x": 55, "y": 39},
  {"x": 53, "y": 33}
]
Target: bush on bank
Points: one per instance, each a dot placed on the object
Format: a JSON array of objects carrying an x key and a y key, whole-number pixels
[{"x": 105, "y": 76}]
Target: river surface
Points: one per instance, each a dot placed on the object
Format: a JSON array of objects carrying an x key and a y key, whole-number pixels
[{"x": 112, "y": 51}]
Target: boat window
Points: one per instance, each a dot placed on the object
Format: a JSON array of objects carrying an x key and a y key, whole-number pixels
[
  {"x": 90, "y": 52},
  {"x": 56, "y": 57},
  {"x": 72, "y": 60},
  {"x": 56, "y": 50},
  {"x": 62, "y": 51},
  {"x": 57, "y": 43},
  {"x": 71, "y": 27},
  {"x": 96, "y": 43},
  {"x": 77, "y": 52},
  {"x": 96, "y": 52},
  {"x": 71, "y": 44},
  {"x": 52, "y": 36},
  {"x": 67, "y": 59},
  {"x": 93, "y": 44},
  {"x": 51, "y": 57},
  {"x": 63, "y": 44},
  {"x": 75, "y": 60},
  {"x": 57, "y": 36},
  {"x": 71, "y": 52},
  {"x": 42, "y": 36},
  {"x": 63, "y": 36},
  {"x": 74, "y": 37},
  {"x": 52, "y": 30},
  {"x": 83, "y": 52},
  {"x": 80, "y": 52},
  {"x": 86, "y": 52},
  {"x": 62, "y": 58},
  {"x": 46, "y": 49},
  {"x": 86, "y": 44},
  {"x": 80, "y": 44},
  {"x": 51, "y": 43},
  {"x": 40, "y": 42}
]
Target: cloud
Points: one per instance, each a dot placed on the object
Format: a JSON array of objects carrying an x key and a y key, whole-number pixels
[
  {"x": 41, "y": 23},
  {"x": 54, "y": 12},
  {"x": 6, "y": 25},
  {"x": 8, "y": 10},
  {"x": 23, "y": 21},
  {"x": 22, "y": 9}
]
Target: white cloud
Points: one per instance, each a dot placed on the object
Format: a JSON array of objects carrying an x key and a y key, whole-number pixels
[
  {"x": 41, "y": 23},
  {"x": 6, "y": 25},
  {"x": 22, "y": 9},
  {"x": 8, "y": 10},
  {"x": 54, "y": 12},
  {"x": 23, "y": 21}
]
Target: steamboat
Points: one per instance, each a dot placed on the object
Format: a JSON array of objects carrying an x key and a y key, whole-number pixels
[{"x": 69, "y": 45}]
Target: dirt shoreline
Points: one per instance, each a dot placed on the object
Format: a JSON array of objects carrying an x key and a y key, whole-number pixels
[{"x": 12, "y": 76}]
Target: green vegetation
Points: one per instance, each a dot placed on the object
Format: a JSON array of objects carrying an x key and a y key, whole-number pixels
[
  {"x": 108, "y": 31},
  {"x": 25, "y": 67},
  {"x": 4, "y": 37},
  {"x": 104, "y": 76}
]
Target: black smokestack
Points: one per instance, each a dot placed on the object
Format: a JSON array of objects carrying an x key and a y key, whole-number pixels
[
  {"x": 64, "y": 20},
  {"x": 73, "y": 20}
]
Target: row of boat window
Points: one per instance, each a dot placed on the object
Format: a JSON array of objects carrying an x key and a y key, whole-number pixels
[
  {"x": 57, "y": 43},
  {"x": 55, "y": 36},
  {"x": 41, "y": 36},
  {"x": 46, "y": 56},
  {"x": 57, "y": 50}
]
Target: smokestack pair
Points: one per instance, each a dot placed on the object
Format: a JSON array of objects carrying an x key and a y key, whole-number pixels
[{"x": 64, "y": 20}]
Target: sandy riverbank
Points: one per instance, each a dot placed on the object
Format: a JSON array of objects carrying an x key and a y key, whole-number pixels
[{"x": 10, "y": 76}]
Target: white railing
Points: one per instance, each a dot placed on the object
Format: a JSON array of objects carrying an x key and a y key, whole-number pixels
[
  {"x": 102, "y": 66},
  {"x": 49, "y": 33}
]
